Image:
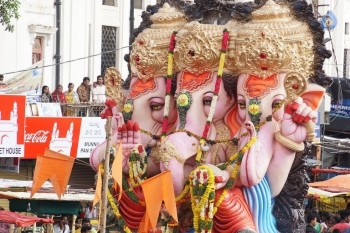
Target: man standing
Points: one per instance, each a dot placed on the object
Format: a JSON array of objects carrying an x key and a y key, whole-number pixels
[
  {"x": 87, "y": 223},
  {"x": 62, "y": 226},
  {"x": 99, "y": 91},
  {"x": 83, "y": 90},
  {"x": 311, "y": 223}
]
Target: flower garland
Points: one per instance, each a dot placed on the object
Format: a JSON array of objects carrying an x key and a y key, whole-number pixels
[
  {"x": 137, "y": 165},
  {"x": 233, "y": 165},
  {"x": 169, "y": 78},
  {"x": 181, "y": 197},
  {"x": 202, "y": 142},
  {"x": 128, "y": 109},
  {"x": 202, "y": 189}
]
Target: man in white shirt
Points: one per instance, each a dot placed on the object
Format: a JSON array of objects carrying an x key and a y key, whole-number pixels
[
  {"x": 61, "y": 226},
  {"x": 90, "y": 211},
  {"x": 99, "y": 91}
]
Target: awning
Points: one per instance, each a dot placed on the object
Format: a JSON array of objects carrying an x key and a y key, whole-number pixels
[
  {"x": 323, "y": 193},
  {"x": 46, "y": 203},
  {"x": 340, "y": 183},
  {"x": 21, "y": 220},
  {"x": 47, "y": 196}
]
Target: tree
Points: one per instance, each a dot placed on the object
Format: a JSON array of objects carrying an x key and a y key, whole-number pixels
[{"x": 9, "y": 10}]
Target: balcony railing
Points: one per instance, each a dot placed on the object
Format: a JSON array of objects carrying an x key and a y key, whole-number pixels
[{"x": 34, "y": 107}]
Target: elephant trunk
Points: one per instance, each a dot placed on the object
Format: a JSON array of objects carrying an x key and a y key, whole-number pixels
[{"x": 179, "y": 147}]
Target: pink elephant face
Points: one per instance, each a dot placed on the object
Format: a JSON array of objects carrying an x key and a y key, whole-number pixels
[
  {"x": 260, "y": 96},
  {"x": 201, "y": 89},
  {"x": 148, "y": 100},
  {"x": 224, "y": 103}
]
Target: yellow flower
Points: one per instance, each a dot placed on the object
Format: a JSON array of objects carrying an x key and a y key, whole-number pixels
[
  {"x": 182, "y": 100},
  {"x": 128, "y": 108},
  {"x": 254, "y": 109}
]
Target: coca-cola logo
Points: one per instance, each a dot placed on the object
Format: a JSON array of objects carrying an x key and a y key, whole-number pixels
[{"x": 38, "y": 137}]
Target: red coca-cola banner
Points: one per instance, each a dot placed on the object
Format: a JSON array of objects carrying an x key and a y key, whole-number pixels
[{"x": 59, "y": 134}]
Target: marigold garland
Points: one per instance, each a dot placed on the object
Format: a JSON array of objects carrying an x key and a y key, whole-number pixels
[
  {"x": 168, "y": 84},
  {"x": 202, "y": 190},
  {"x": 137, "y": 165},
  {"x": 224, "y": 43},
  {"x": 232, "y": 166}
]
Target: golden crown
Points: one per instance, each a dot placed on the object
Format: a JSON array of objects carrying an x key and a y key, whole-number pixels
[
  {"x": 150, "y": 48},
  {"x": 198, "y": 47},
  {"x": 274, "y": 41}
]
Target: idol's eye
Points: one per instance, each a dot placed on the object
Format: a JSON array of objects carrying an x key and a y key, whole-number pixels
[
  {"x": 207, "y": 100},
  {"x": 277, "y": 104},
  {"x": 241, "y": 104},
  {"x": 156, "y": 106}
]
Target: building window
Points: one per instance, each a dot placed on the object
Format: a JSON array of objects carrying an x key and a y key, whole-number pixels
[
  {"x": 346, "y": 69},
  {"x": 138, "y": 4},
  {"x": 110, "y": 2},
  {"x": 346, "y": 28},
  {"x": 109, "y": 48},
  {"x": 37, "y": 49}
]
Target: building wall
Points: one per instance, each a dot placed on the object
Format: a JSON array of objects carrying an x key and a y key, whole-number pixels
[
  {"x": 340, "y": 40},
  {"x": 81, "y": 31},
  {"x": 16, "y": 47}
]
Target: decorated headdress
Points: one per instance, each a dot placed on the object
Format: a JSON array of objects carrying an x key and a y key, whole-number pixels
[
  {"x": 150, "y": 49},
  {"x": 198, "y": 47},
  {"x": 273, "y": 42}
]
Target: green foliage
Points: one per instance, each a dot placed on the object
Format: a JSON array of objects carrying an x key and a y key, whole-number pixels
[{"x": 9, "y": 10}]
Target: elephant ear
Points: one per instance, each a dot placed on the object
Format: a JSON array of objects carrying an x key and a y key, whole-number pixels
[
  {"x": 232, "y": 121},
  {"x": 313, "y": 95}
]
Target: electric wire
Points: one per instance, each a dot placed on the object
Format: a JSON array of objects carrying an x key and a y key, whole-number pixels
[{"x": 69, "y": 61}]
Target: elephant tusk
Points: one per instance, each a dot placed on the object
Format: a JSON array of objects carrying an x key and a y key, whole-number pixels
[{"x": 205, "y": 147}]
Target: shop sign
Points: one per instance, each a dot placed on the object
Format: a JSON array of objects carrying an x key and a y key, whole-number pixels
[
  {"x": 60, "y": 134},
  {"x": 12, "y": 120}
]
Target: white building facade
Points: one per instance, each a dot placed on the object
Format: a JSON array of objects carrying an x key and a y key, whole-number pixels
[
  {"x": 338, "y": 65},
  {"x": 92, "y": 27},
  {"x": 88, "y": 28}
]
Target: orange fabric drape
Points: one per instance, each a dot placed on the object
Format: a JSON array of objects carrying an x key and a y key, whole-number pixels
[
  {"x": 156, "y": 190},
  {"x": 55, "y": 167}
]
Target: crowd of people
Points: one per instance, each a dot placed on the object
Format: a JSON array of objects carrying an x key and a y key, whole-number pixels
[
  {"x": 85, "y": 93},
  {"x": 326, "y": 222},
  {"x": 81, "y": 226}
]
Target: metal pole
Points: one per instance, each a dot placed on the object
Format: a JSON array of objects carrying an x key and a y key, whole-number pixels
[
  {"x": 105, "y": 179},
  {"x": 132, "y": 18},
  {"x": 58, "y": 4},
  {"x": 131, "y": 29}
]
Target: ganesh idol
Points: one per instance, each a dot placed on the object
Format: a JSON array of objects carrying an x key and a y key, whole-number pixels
[
  {"x": 245, "y": 101},
  {"x": 149, "y": 104},
  {"x": 274, "y": 59}
]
